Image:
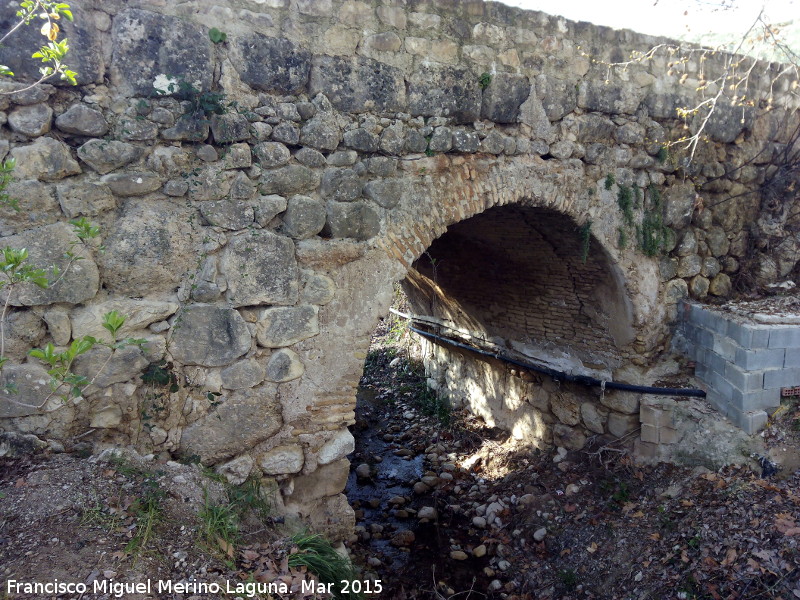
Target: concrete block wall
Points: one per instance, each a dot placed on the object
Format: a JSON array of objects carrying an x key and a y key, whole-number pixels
[{"x": 742, "y": 364}]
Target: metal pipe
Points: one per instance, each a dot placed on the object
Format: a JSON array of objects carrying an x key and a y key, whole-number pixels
[{"x": 561, "y": 376}]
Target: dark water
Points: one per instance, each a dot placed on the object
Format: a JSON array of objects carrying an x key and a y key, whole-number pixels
[{"x": 412, "y": 571}]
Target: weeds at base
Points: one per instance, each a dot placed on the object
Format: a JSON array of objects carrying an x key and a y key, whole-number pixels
[{"x": 316, "y": 554}]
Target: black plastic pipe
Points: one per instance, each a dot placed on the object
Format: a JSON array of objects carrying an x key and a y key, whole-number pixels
[{"x": 561, "y": 376}]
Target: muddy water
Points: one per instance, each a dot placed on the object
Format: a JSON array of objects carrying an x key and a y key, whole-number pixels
[{"x": 392, "y": 442}]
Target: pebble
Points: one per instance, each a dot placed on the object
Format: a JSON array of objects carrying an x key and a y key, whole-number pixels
[
  {"x": 479, "y": 522},
  {"x": 404, "y": 537},
  {"x": 363, "y": 471},
  {"x": 479, "y": 551},
  {"x": 420, "y": 488},
  {"x": 572, "y": 489},
  {"x": 430, "y": 480},
  {"x": 504, "y": 565},
  {"x": 458, "y": 555},
  {"x": 539, "y": 534},
  {"x": 427, "y": 512},
  {"x": 495, "y": 585},
  {"x": 445, "y": 476},
  {"x": 409, "y": 414},
  {"x": 397, "y": 500}
]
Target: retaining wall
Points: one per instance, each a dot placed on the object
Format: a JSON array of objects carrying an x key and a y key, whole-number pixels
[{"x": 743, "y": 364}]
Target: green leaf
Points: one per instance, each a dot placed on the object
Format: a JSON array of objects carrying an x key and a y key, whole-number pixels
[
  {"x": 112, "y": 321},
  {"x": 217, "y": 36}
]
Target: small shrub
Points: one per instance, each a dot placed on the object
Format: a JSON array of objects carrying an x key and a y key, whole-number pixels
[{"x": 485, "y": 80}]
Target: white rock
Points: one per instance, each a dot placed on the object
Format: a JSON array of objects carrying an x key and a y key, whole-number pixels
[{"x": 539, "y": 534}]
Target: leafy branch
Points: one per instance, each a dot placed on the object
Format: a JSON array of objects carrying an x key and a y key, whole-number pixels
[{"x": 53, "y": 52}]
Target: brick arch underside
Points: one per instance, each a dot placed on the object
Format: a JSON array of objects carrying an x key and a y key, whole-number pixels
[{"x": 523, "y": 275}]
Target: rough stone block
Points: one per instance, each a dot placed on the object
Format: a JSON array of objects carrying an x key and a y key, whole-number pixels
[
  {"x": 152, "y": 242},
  {"x": 567, "y": 437},
  {"x": 82, "y": 120},
  {"x": 327, "y": 480},
  {"x": 620, "y": 425},
  {"x": 261, "y": 268},
  {"x": 33, "y": 386},
  {"x": 437, "y": 91},
  {"x": 289, "y": 179},
  {"x": 357, "y": 220},
  {"x": 304, "y": 217},
  {"x": 209, "y": 336},
  {"x": 45, "y": 159},
  {"x": 282, "y": 460},
  {"x": 86, "y": 55},
  {"x": 243, "y": 420},
  {"x": 242, "y": 374},
  {"x": 106, "y": 155},
  {"x": 280, "y": 327},
  {"x": 284, "y": 365},
  {"x": 154, "y": 49},
  {"x": 623, "y": 402},
  {"x": 47, "y": 247},
  {"x": 88, "y": 320},
  {"x": 358, "y": 84},
  {"x": 339, "y": 446},
  {"x": 503, "y": 97}
]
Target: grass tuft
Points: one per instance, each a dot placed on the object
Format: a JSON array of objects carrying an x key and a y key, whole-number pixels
[{"x": 316, "y": 554}]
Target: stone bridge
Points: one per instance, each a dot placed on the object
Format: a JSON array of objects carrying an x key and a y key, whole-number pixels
[{"x": 259, "y": 197}]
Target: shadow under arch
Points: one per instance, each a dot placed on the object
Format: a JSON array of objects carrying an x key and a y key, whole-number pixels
[{"x": 530, "y": 279}]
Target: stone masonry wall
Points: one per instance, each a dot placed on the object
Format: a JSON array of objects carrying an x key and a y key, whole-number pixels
[{"x": 258, "y": 198}]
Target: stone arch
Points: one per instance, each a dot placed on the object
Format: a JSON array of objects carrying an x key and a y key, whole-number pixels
[{"x": 448, "y": 193}]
